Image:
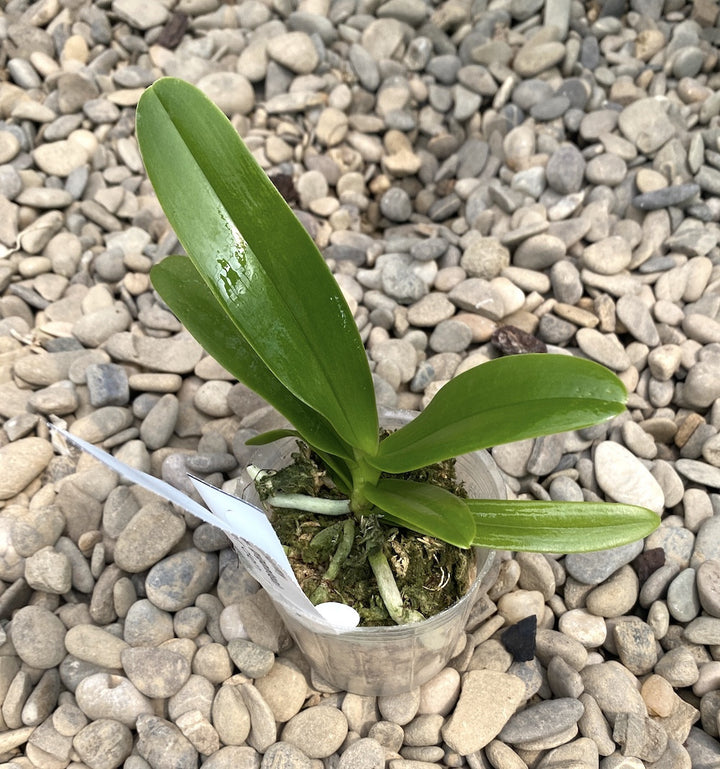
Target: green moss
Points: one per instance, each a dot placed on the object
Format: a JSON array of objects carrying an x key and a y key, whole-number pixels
[{"x": 431, "y": 575}]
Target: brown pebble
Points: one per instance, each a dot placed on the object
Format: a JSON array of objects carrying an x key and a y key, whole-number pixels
[{"x": 511, "y": 340}]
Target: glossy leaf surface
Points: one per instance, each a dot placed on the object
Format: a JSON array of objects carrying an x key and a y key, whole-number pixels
[
  {"x": 179, "y": 284},
  {"x": 558, "y": 527},
  {"x": 504, "y": 400},
  {"x": 256, "y": 257},
  {"x": 424, "y": 508}
]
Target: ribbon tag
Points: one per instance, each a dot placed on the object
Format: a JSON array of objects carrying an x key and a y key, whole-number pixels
[{"x": 252, "y": 535}]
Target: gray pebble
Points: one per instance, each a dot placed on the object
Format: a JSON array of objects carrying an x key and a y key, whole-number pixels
[
  {"x": 103, "y": 744},
  {"x": 282, "y": 754},
  {"x": 402, "y": 283},
  {"x": 675, "y": 195},
  {"x": 594, "y": 568},
  {"x": 477, "y": 295},
  {"x": 624, "y": 478},
  {"x": 400, "y": 708},
  {"x": 708, "y": 585},
  {"x": 163, "y": 745},
  {"x": 365, "y": 67},
  {"x": 105, "y": 695},
  {"x": 703, "y": 630},
  {"x": 176, "y": 581},
  {"x": 137, "y": 547},
  {"x": 646, "y": 123},
  {"x": 566, "y": 283},
  {"x": 450, "y": 336},
  {"x": 540, "y": 721},
  {"x": 636, "y": 645},
  {"x": 318, "y": 732},
  {"x": 107, "y": 385},
  {"x": 196, "y": 694},
  {"x": 159, "y": 424},
  {"x": 682, "y": 596},
  {"x": 235, "y": 757},
  {"x": 678, "y": 667},
  {"x": 146, "y": 625},
  {"x": 485, "y": 258},
  {"x": 431, "y": 310},
  {"x": 366, "y": 753},
  {"x": 565, "y": 170},
  {"x": 563, "y": 680},
  {"x": 38, "y": 637},
  {"x": 614, "y": 691},
  {"x": 699, "y": 472},
  {"x": 252, "y": 660},
  {"x": 156, "y": 672}
]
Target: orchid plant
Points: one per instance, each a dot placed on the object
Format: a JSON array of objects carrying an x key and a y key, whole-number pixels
[{"x": 255, "y": 291}]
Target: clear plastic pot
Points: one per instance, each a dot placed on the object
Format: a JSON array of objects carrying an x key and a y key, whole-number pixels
[{"x": 397, "y": 658}]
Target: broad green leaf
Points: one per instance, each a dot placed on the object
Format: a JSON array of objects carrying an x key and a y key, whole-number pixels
[
  {"x": 424, "y": 508},
  {"x": 256, "y": 257},
  {"x": 504, "y": 400},
  {"x": 181, "y": 287},
  {"x": 558, "y": 527}
]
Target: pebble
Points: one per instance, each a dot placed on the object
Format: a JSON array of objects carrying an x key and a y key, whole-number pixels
[
  {"x": 146, "y": 625},
  {"x": 95, "y": 645},
  {"x": 177, "y": 355},
  {"x": 106, "y": 695},
  {"x": 616, "y": 596},
  {"x": 104, "y": 743},
  {"x": 140, "y": 15},
  {"x": 424, "y": 731},
  {"x": 589, "y": 629},
  {"x": 566, "y": 169},
  {"x": 708, "y": 586},
  {"x": 20, "y": 463},
  {"x": 230, "y": 715},
  {"x": 155, "y": 672},
  {"x": 487, "y": 701},
  {"x": 541, "y": 721},
  {"x": 175, "y": 582},
  {"x": 264, "y": 729},
  {"x": 163, "y": 745},
  {"x": 294, "y": 50},
  {"x": 252, "y": 660},
  {"x": 38, "y": 637},
  {"x": 613, "y": 689},
  {"x": 440, "y": 693},
  {"x": 136, "y": 549},
  {"x": 317, "y": 732},
  {"x": 60, "y": 158},
  {"x": 283, "y": 688},
  {"x": 608, "y": 256},
  {"x": 594, "y": 568},
  {"x": 636, "y": 645},
  {"x": 625, "y": 479},
  {"x": 646, "y": 124},
  {"x": 682, "y": 597}
]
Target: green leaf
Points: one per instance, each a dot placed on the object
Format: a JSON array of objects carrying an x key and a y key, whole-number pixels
[
  {"x": 504, "y": 400},
  {"x": 271, "y": 436},
  {"x": 256, "y": 257},
  {"x": 558, "y": 527},
  {"x": 183, "y": 290},
  {"x": 424, "y": 508}
]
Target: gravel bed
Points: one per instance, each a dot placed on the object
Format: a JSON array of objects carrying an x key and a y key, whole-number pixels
[{"x": 482, "y": 177}]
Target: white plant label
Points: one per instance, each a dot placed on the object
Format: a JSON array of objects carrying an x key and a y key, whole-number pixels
[{"x": 252, "y": 536}]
